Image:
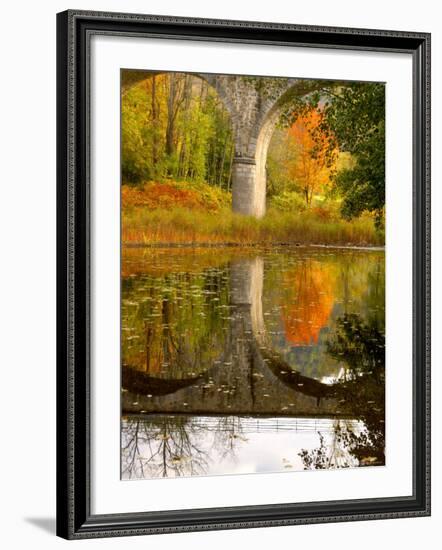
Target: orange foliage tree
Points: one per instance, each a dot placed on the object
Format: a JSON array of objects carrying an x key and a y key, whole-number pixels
[{"x": 313, "y": 164}]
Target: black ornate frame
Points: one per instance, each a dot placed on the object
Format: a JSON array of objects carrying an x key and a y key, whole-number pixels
[{"x": 74, "y": 519}]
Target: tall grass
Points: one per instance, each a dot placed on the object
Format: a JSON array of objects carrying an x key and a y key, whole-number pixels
[{"x": 190, "y": 226}]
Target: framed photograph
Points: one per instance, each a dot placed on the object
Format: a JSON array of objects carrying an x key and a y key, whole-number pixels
[{"x": 243, "y": 274}]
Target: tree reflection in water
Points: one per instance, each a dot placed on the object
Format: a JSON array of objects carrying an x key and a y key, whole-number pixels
[
  {"x": 228, "y": 434},
  {"x": 172, "y": 446},
  {"x": 362, "y": 347},
  {"x": 309, "y": 294},
  {"x": 172, "y": 443}
]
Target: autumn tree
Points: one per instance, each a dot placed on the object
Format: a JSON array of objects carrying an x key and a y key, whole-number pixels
[
  {"x": 353, "y": 118},
  {"x": 315, "y": 158}
]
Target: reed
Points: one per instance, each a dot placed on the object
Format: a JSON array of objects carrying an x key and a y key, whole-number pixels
[{"x": 177, "y": 225}]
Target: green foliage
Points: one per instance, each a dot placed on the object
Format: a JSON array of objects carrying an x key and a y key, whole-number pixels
[
  {"x": 220, "y": 146},
  {"x": 195, "y": 142},
  {"x": 210, "y": 194},
  {"x": 360, "y": 344},
  {"x": 356, "y": 116},
  {"x": 135, "y": 137},
  {"x": 174, "y": 126},
  {"x": 288, "y": 201},
  {"x": 281, "y": 155}
]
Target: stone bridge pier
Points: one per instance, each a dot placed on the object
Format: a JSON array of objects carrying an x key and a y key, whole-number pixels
[
  {"x": 254, "y": 111},
  {"x": 246, "y": 285}
]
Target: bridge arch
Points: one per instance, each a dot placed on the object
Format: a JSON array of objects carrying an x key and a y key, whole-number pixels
[{"x": 254, "y": 114}]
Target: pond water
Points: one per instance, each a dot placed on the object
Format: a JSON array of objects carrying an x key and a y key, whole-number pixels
[{"x": 251, "y": 360}]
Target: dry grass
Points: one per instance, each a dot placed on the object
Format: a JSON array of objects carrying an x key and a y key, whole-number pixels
[{"x": 189, "y": 226}]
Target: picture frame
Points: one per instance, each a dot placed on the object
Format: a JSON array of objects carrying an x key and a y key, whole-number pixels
[{"x": 75, "y": 518}]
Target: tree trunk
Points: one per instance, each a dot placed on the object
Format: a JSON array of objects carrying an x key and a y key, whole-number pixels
[
  {"x": 306, "y": 196},
  {"x": 229, "y": 178},
  {"x": 183, "y": 164},
  {"x": 154, "y": 116},
  {"x": 223, "y": 159},
  {"x": 170, "y": 116}
]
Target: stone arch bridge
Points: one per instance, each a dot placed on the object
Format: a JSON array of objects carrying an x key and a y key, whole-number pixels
[{"x": 254, "y": 110}]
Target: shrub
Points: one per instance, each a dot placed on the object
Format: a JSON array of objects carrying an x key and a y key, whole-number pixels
[
  {"x": 154, "y": 195},
  {"x": 288, "y": 201}
]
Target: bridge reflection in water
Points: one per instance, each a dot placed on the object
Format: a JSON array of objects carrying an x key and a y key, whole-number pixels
[{"x": 234, "y": 384}]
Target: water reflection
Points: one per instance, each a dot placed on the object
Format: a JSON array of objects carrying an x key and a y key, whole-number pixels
[
  {"x": 236, "y": 338},
  {"x": 310, "y": 289},
  {"x": 171, "y": 446}
]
